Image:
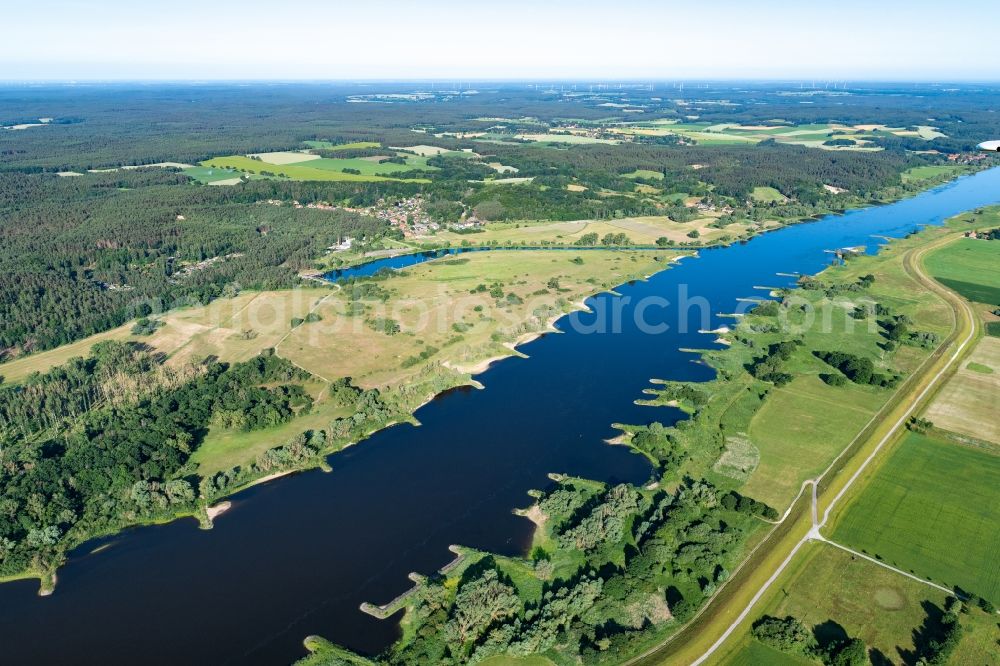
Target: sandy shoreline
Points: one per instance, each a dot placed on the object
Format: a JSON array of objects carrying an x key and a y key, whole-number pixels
[{"x": 214, "y": 512}]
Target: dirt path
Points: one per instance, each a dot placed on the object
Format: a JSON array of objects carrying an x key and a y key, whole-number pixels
[{"x": 285, "y": 336}]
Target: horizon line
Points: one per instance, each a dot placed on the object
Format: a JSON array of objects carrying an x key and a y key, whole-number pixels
[{"x": 464, "y": 80}]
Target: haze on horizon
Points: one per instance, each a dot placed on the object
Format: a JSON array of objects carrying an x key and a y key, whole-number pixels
[{"x": 400, "y": 39}]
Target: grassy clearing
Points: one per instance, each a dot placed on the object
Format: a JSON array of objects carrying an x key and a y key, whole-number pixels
[
  {"x": 931, "y": 510},
  {"x": 648, "y": 174},
  {"x": 223, "y": 449},
  {"x": 16, "y": 370},
  {"x": 293, "y": 171},
  {"x": 234, "y": 329},
  {"x": 435, "y": 307},
  {"x": 505, "y": 660},
  {"x": 767, "y": 195},
  {"x": 969, "y": 267},
  {"x": 640, "y": 230},
  {"x": 211, "y": 175},
  {"x": 969, "y": 402}
]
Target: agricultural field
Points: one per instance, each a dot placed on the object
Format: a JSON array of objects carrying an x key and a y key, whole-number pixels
[
  {"x": 970, "y": 401},
  {"x": 930, "y": 509},
  {"x": 800, "y": 428},
  {"x": 814, "y": 135},
  {"x": 308, "y": 166},
  {"x": 969, "y": 266},
  {"x": 563, "y": 137}
]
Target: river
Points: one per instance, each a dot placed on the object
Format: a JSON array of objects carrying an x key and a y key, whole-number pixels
[{"x": 298, "y": 555}]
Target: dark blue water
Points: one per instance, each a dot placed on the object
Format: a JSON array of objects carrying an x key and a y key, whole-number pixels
[{"x": 297, "y": 556}]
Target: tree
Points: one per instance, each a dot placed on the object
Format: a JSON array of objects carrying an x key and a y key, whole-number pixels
[
  {"x": 786, "y": 634},
  {"x": 852, "y": 653}
]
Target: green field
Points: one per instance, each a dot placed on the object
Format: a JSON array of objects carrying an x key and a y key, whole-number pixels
[
  {"x": 767, "y": 194},
  {"x": 367, "y": 167},
  {"x": 299, "y": 171},
  {"x": 969, "y": 266},
  {"x": 647, "y": 174},
  {"x": 208, "y": 175},
  {"x": 800, "y": 429},
  {"x": 225, "y": 448},
  {"x": 917, "y": 174},
  {"x": 931, "y": 510}
]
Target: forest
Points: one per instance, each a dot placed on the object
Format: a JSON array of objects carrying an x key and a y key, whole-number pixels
[
  {"x": 82, "y": 255},
  {"x": 83, "y": 455}
]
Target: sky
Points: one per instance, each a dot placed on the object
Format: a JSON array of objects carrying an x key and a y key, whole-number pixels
[{"x": 511, "y": 39}]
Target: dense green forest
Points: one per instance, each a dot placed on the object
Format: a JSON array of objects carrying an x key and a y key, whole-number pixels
[
  {"x": 103, "y": 443},
  {"x": 82, "y": 255}
]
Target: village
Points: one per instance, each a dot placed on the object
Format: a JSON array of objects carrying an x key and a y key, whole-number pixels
[{"x": 408, "y": 215}]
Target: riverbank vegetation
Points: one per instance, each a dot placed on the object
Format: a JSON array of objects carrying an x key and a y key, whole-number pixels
[{"x": 87, "y": 455}]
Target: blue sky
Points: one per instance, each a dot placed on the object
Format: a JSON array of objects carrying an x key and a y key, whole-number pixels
[{"x": 510, "y": 39}]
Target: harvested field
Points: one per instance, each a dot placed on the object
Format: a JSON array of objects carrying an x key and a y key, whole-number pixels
[{"x": 970, "y": 402}]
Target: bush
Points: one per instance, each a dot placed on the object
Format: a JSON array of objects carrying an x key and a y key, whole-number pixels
[
  {"x": 146, "y": 326},
  {"x": 834, "y": 379}
]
